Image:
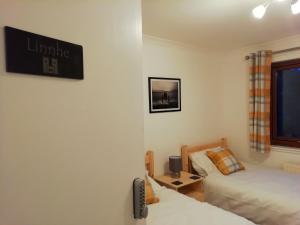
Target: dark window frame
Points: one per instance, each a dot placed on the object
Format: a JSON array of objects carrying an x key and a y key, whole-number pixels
[{"x": 275, "y": 139}]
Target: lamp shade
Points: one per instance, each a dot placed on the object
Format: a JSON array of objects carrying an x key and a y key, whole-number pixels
[{"x": 175, "y": 165}]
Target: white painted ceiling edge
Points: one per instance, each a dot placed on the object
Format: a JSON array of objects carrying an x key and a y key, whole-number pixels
[{"x": 218, "y": 24}]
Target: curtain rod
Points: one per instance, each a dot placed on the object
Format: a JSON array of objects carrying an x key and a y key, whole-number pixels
[{"x": 279, "y": 51}]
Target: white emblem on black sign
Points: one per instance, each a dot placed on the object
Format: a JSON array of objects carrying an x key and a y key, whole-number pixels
[{"x": 50, "y": 65}]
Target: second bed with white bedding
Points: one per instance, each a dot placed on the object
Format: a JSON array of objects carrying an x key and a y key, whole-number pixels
[
  {"x": 177, "y": 209},
  {"x": 265, "y": 196}
]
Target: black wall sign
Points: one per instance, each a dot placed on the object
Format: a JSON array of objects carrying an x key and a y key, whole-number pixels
[{"x": 30, "y": 53}]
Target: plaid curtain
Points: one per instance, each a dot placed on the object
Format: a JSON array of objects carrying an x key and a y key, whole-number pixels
[{"x": 260, "y": 92}]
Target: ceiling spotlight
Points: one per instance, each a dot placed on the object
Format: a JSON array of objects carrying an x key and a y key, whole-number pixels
[
  {"x": 259, "y": 11},
  {"x": 295, "y": 6}
]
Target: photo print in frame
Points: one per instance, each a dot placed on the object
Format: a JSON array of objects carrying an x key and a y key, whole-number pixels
[{"x": 164, "y": 94}]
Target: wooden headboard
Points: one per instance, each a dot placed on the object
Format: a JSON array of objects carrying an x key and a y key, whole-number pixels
[
  {"x": 149, "y": 163},
  {"x": 187, "y": 150}
]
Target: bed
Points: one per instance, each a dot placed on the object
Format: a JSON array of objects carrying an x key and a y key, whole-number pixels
[
  {"x": 263, "y": 195},
  {"x": 177, "y": 209}
]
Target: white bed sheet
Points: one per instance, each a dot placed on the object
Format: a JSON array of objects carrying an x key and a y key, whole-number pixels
[
  {"x": 177, "y": 209},
  {"x": 265, "y": 196}
]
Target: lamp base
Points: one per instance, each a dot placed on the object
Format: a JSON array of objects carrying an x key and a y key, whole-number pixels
[{"x": 175, "y": 175}]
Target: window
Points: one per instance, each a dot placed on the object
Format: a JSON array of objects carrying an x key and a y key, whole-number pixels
[{"x": 285, "y": 103}]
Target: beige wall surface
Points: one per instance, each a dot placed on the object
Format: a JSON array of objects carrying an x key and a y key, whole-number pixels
[
  {"x": 69, "y": 149},
  {"x": 199, "y": 120},
  {"x": 234, "y": 99}
]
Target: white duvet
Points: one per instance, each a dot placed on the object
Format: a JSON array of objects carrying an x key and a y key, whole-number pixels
[
  {"x": 265, "y": 196},
  {"x": 177, "y": 209}
]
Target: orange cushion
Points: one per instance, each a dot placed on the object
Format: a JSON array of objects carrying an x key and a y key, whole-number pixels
[
  {"x": 225, "y": 161},
  {"x": 149, "y": 194}
]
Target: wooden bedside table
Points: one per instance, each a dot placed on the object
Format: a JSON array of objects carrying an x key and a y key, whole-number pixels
[{"x": 190, "y": 187}]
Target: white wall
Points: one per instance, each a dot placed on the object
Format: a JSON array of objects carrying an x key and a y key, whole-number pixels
[
  {"x": 235, "y": 102},
  {"x": 199, "y": 120},
  {"x": 70, "y": 149}
]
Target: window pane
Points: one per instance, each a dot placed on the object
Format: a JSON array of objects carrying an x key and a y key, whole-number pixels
[{"x": 288, "y": 103}]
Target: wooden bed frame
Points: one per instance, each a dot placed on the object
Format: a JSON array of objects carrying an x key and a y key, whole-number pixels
[
  {"x": 149, "y": 163},
  {"x": 187, "y": 150}
]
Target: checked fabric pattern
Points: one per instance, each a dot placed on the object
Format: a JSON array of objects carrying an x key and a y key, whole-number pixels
[
  {"x": 225, "y": 161},
  {"x": 259, "y": 101}
]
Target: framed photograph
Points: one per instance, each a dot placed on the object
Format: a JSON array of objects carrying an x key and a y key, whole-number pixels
[{"x": 164, "y": 94}]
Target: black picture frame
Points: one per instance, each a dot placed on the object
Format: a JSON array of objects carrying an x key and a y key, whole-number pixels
[{"x": 164, "y": 94}]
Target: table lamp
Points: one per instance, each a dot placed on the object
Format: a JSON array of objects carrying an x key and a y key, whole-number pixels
[{"x": 175, "y": 166}]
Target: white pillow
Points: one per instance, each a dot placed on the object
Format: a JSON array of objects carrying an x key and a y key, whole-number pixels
[
  {"x": 155, "y": 186},
  {"x": 201, "y": 161}
]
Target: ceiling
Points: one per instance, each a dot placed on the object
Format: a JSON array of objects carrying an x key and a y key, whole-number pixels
[{"x": 218, "y": 24}]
